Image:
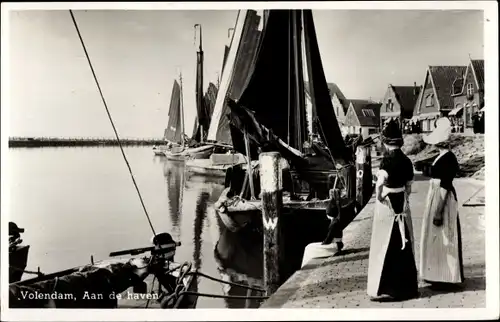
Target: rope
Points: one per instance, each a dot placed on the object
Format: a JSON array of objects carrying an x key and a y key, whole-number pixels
[
  {"x": 225, "y": 296},
  {"x": 26, "y": 271},
  {"x": 227, "y": 282},
  {"x": 152, "y": 288},
  {"x": 111, "y": 120},
  {"x": 323, "y": 133}
]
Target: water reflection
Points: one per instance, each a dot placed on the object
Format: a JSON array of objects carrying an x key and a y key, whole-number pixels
[
  {"x": 174, "y": 174},
  {"x": 237, "y": 256},
  {"x": 239, "y": 259}
]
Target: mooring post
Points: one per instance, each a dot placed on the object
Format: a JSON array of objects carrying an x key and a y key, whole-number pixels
[
  {"x": 272, "y": 202},
  {"x": 364, "y": 177}
]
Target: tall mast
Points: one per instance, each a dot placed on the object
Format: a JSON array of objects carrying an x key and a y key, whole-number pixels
[
  {"x": 181, "y": 109},
  {"x": 199, "y": 88}
]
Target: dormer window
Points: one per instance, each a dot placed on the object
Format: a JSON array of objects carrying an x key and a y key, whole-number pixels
[
  {"x": 368, "y": 112},
  {"x": 429, "y": 100}
]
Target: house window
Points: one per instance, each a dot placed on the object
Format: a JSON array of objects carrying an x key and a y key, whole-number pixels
[
  {"x": 390, "y": 105},
  {"x": 470, "y": 89},
  {"x": 368, "y": 112},
  {"x": 429, "y": 100},
  {"x": 372, "y": 131}
]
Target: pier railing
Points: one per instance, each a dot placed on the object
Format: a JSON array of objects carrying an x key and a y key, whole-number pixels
[{"x": 79, "y": 141}]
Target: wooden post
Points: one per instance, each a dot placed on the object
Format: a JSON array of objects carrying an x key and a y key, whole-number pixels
[
  {"x": 272, "y": 202},
  {"x": 364, "y": 176}
]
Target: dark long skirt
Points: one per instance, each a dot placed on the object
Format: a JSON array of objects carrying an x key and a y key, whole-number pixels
[{"x": 399, "y": 278}]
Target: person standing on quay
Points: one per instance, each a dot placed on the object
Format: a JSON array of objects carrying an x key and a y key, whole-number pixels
[
  {"x": 391, "y": 266},
  {"x": 441, "y": 241}
]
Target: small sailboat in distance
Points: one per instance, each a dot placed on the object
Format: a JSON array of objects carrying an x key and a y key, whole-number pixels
[{"x": 175, "y": 132}]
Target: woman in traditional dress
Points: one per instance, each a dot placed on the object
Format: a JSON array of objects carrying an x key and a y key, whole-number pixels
[
  {"x": 441, "y": 241},
  {"x": 391, "y": 267}
]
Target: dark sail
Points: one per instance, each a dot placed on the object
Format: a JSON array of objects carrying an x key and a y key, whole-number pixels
[
  {"x": 323, "y": 112},
  {"x": 209, "y": 100},
  {"x": 203, "y": 121},
  {"x": 173, "y": 132},
  {"x": 275, "y": 88},
  {"x": 242, "y": 69},
  {"x": 209, "y": 104}
]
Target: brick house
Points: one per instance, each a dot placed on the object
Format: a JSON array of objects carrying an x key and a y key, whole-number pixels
[
  {"x": 436, "y": 97},
  {"x": 468, "y": 95},
  {"x": 399, "y": 102},
  {"x": 363, "y": 117},
  {"x": 339, "y": 102}
]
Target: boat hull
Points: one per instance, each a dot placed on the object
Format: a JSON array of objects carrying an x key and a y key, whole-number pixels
[
  {"x": 202, "y": 152},
  {"x": 128, "y": 298},
  {"x": 18, "y": 260},
  {"x": 159, "y": 153},
  {"x": 206, "y": 168},
  {"x": 242, "y": 213},
  {"x": 175, "y": 156}
]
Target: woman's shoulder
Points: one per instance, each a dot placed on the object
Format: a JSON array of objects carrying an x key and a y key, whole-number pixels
[{"x": 449, "y": 157}]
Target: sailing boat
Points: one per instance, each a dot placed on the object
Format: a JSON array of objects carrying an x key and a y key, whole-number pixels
[
  {"x": 238, "y": 57},
  {"x": 271, "y": 115},
  {"x": 198, "y": 148},
  {"x": 175, "y": 132}
]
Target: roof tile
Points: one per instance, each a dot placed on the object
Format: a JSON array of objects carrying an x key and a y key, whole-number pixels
[{"x": 443, "y": 77}]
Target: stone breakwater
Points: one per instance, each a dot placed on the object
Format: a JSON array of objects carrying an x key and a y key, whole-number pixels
[{"x": 49, "y": 142}]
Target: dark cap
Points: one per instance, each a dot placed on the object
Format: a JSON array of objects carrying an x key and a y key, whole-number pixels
[
  {"x": 391, "y": 134},
  {"x": 14, "y": 229}
]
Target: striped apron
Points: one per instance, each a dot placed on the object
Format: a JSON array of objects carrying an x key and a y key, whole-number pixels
[{"x": 440, "y": 247}]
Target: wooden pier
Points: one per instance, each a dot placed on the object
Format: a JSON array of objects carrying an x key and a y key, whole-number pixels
[
  {"x": 285, "y": 237},
  {"x": 35, "y": 142}
]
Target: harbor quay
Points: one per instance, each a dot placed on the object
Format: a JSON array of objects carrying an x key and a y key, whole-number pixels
[{"x": 340, "y": 281}]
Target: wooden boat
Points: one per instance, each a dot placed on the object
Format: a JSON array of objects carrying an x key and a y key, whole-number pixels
[
  {"x": 159, "y": 151},
  {"x": 169, "y": 274},
  {"x": 258, "y": 123},
  {"x": 216, "y": 165},
  {"x": 212, "y": 117},
  {"x": 176, "y": 281},
  {"x": 18, "y": 259}
]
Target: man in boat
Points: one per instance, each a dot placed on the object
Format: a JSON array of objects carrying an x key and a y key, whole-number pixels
[
  {"x": 14, "y": 231},
  {"x": 93, "y": 286},
  {"x": 14, "y": 235}
]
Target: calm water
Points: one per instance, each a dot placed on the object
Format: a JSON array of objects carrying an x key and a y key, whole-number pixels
[{"x": 78, "y": 202}]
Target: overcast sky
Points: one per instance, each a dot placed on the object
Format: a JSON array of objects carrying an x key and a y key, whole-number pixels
[{"x": 138, "y": 54}]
